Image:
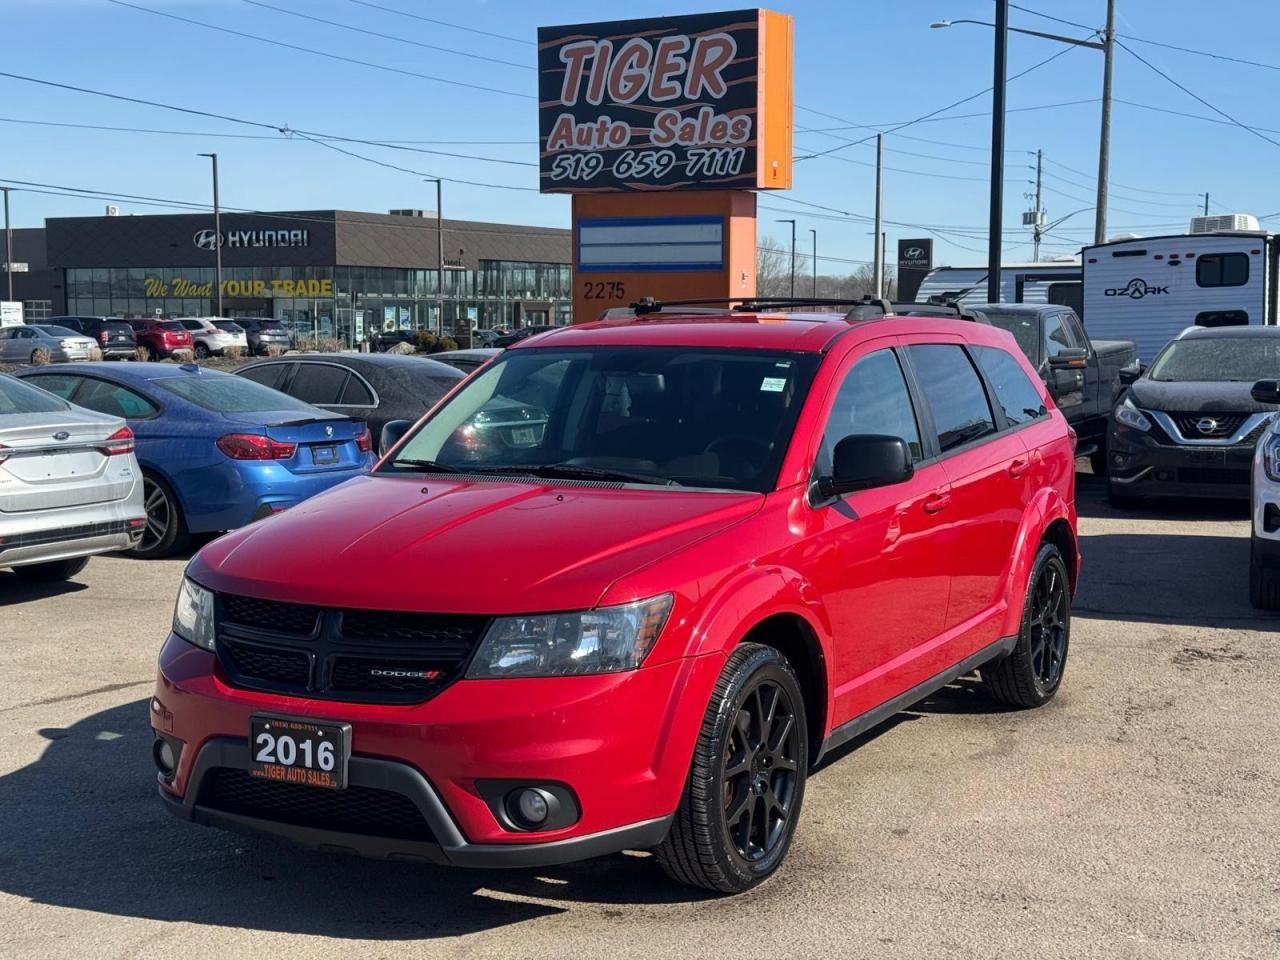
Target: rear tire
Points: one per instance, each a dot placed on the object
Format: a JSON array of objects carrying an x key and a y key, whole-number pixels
[
  {"x": 53, "y": 571},
  {"x": 1264, "y": 582},
  {"x": 166, "y": 530},
  {"x": 1032, "y": 673},
  {"x": 202, "y": 352},
  {"x": 742, "y": 799}
]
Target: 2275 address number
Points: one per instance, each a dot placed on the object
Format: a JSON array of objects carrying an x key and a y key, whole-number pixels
[{"x": 604, "y": 290}]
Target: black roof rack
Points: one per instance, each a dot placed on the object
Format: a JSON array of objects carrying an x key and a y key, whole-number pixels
[{"x": 859, "y": 308}]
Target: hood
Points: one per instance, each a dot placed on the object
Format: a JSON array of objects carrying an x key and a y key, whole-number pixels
[
  {"x": 1195, "y": 396},
  {"x": 445, "y": 545}
]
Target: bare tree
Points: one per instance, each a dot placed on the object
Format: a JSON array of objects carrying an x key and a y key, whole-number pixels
[
  {"x": 773, "y": 269},
  {"x": 773, "y": 276}
]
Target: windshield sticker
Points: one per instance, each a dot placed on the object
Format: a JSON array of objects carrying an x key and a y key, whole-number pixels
[{"x": 773, "y": 384}]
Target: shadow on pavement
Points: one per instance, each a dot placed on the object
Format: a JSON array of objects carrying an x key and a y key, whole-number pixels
[
  {"x": 14, "y": 589},
  {"x": 82, "y": 829},
  {"x": 1091, "y": 501}
]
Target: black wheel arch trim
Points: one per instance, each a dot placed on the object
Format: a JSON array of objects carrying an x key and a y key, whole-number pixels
[{"x": 450, "y": 848}]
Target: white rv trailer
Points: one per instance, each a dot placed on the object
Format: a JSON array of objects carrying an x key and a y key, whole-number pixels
[
  {"x": 1148, "y": 289},
  {"x": 1054, "y": 281}
]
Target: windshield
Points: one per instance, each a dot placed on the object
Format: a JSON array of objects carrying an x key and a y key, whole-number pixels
[
  {"x": 18, "y": 397},
  {"x": 228, "y": 394},
  {"x": 1220, "y": 359},
  {"x": 694, "y": 417},
  {"x": 1024, "y": 327}
]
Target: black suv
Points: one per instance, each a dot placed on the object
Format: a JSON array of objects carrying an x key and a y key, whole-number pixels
[{"x": 114, "y": 336}]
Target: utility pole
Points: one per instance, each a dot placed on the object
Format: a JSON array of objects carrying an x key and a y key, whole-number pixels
[
  {"x": 217, "y": 234},
  {"x": 877, "y": 268},
  {"x": 1104, "y": 138},
  {"x": 994, "y": 234},
  {"x": 1037, "y": 231},
  {"x": 8, "y": 244},
  {"x": 815, "y": 261},
  {"x": 1206, "y": 203}
]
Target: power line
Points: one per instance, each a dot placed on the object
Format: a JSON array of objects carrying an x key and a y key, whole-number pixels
[
  {"x": 441, "y": 23},
  {"x": 1195, "y": 96},
  {"x": 932, "y": 113},
  {"x": 1089, "y": 176},
  {"x": 1154, "y": 203},
  {"x": 322, "y": 53},
  {"x": 429, "y": 176},
  {"x": 961, "y": 116},
  {"x": 374, "y": 141},
  {"x": 387, "y": 36},
  {"x": 1037, "y": 13}
]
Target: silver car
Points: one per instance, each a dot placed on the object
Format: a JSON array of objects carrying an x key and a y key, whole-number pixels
[
  {"x": 70, "y": 485},
  {"x": 27, "y": 344}
]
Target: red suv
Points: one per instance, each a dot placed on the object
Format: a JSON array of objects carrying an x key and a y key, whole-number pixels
[
  {"x": 162, "y": 338},
  {"x": 691, "y": 555}
]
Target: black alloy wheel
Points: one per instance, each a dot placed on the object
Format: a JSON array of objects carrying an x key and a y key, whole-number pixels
[
  {"x": 759, "y": 773},
  {"x": 742, "y": 799},
  {"x": 1030, "y": 675}
]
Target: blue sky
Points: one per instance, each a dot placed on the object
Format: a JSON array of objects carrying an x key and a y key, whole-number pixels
[{"x": 873, "y": 62}]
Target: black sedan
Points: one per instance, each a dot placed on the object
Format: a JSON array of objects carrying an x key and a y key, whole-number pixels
[
  {"x": 376, "y": 387},
  {"x": 1188, "y": 426}
]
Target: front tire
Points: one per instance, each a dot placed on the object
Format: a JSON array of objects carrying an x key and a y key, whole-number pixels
[
  {"x": 1264, "y": 582},
  {"x": 202, "y": 352},
  {"x": 1032, "y": 673},
  {"x": 742, "y": 799},
  {"x": 166, "y": 530},
  {"x": 53, "y": 571}
]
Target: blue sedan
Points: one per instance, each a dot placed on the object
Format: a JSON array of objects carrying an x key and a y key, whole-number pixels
[{"x": 217, "y": 451}]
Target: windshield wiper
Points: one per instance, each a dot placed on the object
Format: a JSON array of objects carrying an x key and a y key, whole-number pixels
[
  {"x": 578, "y": 471},
  {"x": 428, "y": 466}
]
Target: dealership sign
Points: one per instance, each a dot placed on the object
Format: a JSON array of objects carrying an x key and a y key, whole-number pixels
[
  {"x": 692, "y": 102},
  {"x": 274, "y": 287},
  {"x": 209, "y": 239}
]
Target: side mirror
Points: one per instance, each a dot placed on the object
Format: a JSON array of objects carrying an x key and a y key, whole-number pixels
[
  {"x": 863, "y": 461},
  {"x": 1131, "y": 373},
  {"x": 1071, "y": 358},
  {"x": 1266, "y": 391},
  {"x": 392, "y": 434}
]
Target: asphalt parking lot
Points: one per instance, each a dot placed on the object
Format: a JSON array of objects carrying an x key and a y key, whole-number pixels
[{"x": 1137, "y": 816}]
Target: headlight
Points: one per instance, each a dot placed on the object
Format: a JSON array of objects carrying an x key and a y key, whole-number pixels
[
  {"x": 1271, "y": 456},
  {"x": 605, "y": 640},
  {"x": 1131, "y": 416},
  {"x": 193, "y": 614}
]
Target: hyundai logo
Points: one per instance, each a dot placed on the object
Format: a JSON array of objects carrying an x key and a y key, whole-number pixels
[
  {"x": 206, "y": 239},
  {"x": 1207, "y": 425},
  {"x": 913, "y": 253},
  {"x": 1135, "y": 289},
  {"x": 61, "y": 435}
]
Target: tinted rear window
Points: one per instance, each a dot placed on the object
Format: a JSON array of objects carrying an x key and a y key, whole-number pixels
[
  {"x": 1018, "y": 396},
  {"x": 17, "y": 397},
  {"x": 954, "y": 393},
  {"x": 170, "y": 325},
  {"x": 118, "y": 326},
  {"x": 228, "y": 394}
]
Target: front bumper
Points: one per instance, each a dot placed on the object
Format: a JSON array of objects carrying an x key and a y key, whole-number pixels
[
  {"x": 1141, "y": 467},
  {"x": 621, "y": 743}
]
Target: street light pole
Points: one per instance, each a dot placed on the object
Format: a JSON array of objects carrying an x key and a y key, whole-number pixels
[
  {"x": 877, "y": 257},
  {"x": 815, "y": 261},
  {"x": 439, "y": 254},
  {"x": 8, "y": 244},
  {"x": 793, "y": 255},
  {"x": 217, "y": 233},
  {"x": 1107, "y": 46},
  {"x": 994, "y": 234},
  {"x": 1104, "y": 137}
]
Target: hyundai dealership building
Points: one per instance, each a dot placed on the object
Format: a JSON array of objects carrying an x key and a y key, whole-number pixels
[{"x": 325, "y": 273}]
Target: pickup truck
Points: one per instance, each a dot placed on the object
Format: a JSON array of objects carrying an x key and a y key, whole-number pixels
[{"x": 1084, "y": 376}]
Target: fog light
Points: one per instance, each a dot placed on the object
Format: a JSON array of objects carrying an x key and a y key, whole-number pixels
[
  {"x": 530, "y": 807},
  {"x": 165, "y": 757}
]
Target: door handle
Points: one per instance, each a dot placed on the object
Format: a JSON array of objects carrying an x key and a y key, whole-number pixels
[
  {"x": 1018, "y": 467},
  {"x": 937, "y": 502}
]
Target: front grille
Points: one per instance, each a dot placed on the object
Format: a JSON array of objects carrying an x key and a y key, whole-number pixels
[
  {"x": 361, "y": 810},
  {"x": 1222, "y": 475},
  {"x": 268, "y": 663},
  {"x": 372, "y": 656},
  {"x": 1226, "y": 424},
  {"x": 269, "y": 614}
]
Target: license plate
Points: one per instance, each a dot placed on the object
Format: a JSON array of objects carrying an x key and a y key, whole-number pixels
[
  {"x": 524, "y": 436},
  {"x": 299, "y": 751},
  {"x": 322, "y": 456}
]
